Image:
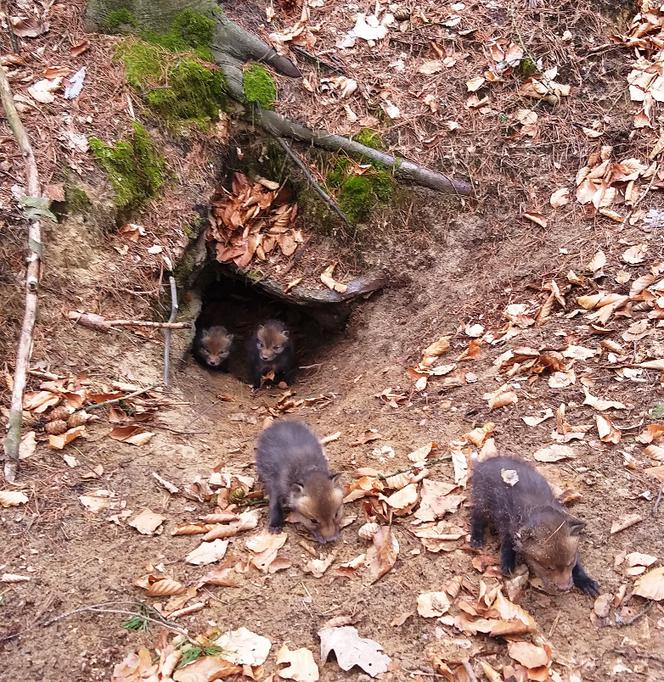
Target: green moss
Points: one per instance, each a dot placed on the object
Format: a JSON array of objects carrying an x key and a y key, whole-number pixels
[
  {"x": 259, "y": 87},
  {"x": 76, "y": 200},
  {"x": 144, "y": 64},
  {"x": 134, "y": 168},
  {"x": 339, "y": 172},
  {"x": 119, "y": 18},
  {"x": 180, "y": 89},
  {"x": 369, "y": 138},
  {"x": 527, "y": 67},
  {"x": 189, "y": 31}
]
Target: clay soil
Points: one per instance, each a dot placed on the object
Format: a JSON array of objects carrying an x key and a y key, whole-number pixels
[{"x": 448, "y": 267}]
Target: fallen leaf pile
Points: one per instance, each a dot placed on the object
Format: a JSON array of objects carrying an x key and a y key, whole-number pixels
[{"x": 251, "y": 221}]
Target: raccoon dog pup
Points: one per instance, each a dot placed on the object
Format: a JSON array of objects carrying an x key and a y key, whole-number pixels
[
  {"x": 292, "y": 467},
  {"x": 530, "y": 523},
  {"x": 271, "y": 349},
  {"x": 212, "y": 346}
]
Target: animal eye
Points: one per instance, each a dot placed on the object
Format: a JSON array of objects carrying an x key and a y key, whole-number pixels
[
  {"x": 277, "y": 349},
  {"x": 315, "y": 522},
  {"x": 259, "y": 344}
]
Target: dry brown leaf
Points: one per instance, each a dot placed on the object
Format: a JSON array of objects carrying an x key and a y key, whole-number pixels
[
  {"x": 554, "y": 453},
  {"x": 529, "y": 655},
  {"x": 560, "y": 197},
  {"x": 166, "y": 587},
  {"x": 402, "y": 500},
  {"x": 625, "y": 522},
  {"x": 601, "y": 405},
  {"x": 58, "y": 442},
  {"x": 478, "y": 435},
  {"x": 329, "y": 281},
  {"x": 635, "y": 254},
  {"x": 205, "y": 669},
  {"x": 147, "y": 522},
  {"x": 318, "y": 567},
  {"x": 301, "y": 665},
  {"x": 264, "y": 548},
  {"x": 435, "y": 350},
  {"x": 432, "y": 604},
  {"x": 651, "y": 585},
  {"x": 436, "y": 501},
  {"x": 247, "y": 521},
  {"x": 12, "y": 498},
  {"x": 382, "y": 554},
  {"x": 132, "y": 434},
  {"x": 221, "y": 577},
  {"x": 608, "y": 433},
  {"x": 207, "y": 553},
  {"x": 536, "y": 218},
  {"x": 352, "y": 650}
]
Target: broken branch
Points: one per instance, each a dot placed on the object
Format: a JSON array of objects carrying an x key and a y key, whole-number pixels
[
  {"x": 24, "y": 352},
  {"x": 101, "y": 324},
  {"x": 167, "y": 330},
  {"x": 312, "y": 181}
]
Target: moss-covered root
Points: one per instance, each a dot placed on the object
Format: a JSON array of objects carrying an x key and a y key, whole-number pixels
[
  {"x": 134, "y": 167},
  {"x": 259, "y": 87}
]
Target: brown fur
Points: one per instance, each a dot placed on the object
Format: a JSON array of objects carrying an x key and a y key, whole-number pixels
[
  {"x": 270, "y": 350},
  {"x": 212, "y": 346},
  {"x": 272, "y": 340},
  {"x": 291, "y": 464},
  {"x": 530, "y": 523}
]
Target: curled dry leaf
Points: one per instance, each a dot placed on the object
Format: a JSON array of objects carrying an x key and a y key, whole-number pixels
[
  {"x": 329, "y": 281},
  {"x": 352, "y": 650},
  {"x": 382, "y": 554},
  {"x": 601, "y": 405},
  {"x": 12, "y": 498},
  {"x": 318, "y": 567},
  {"x": 167, "y": 587},
  {"x": 402, "y": 500},
  {"x": 132, "y": 434},
  {"x": 608, "y": 433},
  {"x": 625, "y": 522},
  {"x": 635, "y": 254},
  {"x": 207, "y": 553},
  {"x": 435, "y": 350},
  {"x": 247, "y": 521},
  {"x": 436, "y": 501},
  {"x": 535, "y": 421},
  {"x": 204, "y": 669},
  {"x": 432, "y": 604},
  {"x": 220, "y": 577},
  {"x": 264, "y": 548},
  {"x": 560, "y": 197},
  {"x": 529, "y": 655},
  {"x": 554, "y": 453},
  {"x": 509, "y": 476},
  {"x": 478, "y": 435},
  {"x": 651, "y": 585},
  {"x": 147, "y": 522},
  {"x": 301, "y": 665},
  {"x": 244, "y": 647}
]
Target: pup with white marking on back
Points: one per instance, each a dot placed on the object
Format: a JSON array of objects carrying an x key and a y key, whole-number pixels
[
  {"x": 295, "y": 473},
  {"x": 270, "y": 349},
  {"x": 530, "y": 523}
]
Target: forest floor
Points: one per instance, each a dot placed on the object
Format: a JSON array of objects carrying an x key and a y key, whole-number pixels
[{"x": 551, "y": 305}]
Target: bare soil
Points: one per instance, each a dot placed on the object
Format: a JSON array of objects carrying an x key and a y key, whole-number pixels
[{"x": 448, "y": 267}]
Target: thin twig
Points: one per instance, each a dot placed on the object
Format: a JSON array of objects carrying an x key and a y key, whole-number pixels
[
  {"x": 313, "y": 182},
  {"x": 114, "y": 401},
  {"x": 317, "y": 60},
  {"x": 167, "y": 330},
  {"x": 24, "y": 351},
  {"x": 12, "y": 36},
  {"x": 657, "y": 501}
]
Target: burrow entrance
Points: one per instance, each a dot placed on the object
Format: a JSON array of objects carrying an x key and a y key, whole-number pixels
[{"x": 227, "y": 298}]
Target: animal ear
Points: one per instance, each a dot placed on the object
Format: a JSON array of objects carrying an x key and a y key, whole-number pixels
[
  {"x": 336, "y": 479},
  {"x": 523, "y": 535},
  {"x": 285, "y": 333},
  {"x": 260, "y": 329},
  {"x": 575, "y": 525},
  {"x": 297, "y": 488}
]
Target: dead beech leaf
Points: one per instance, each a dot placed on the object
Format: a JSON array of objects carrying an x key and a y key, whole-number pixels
[
  {"x": 436, "y": 501},
  {"x": 352, "y": 650},
  {"x": 28, "y": 27},
  {"x": 58, "y": 442},
  {"x": 12, "y": 498},
  {"x": 329, "y": 281},
  {"x": 247, "y": 521},
  {"x": 509, "y": 476},
  {"x": 554, "y": 453},
  {"x": 203, "y": 669},
  {"x": 503, "y": 399},
  {"x": 264, "y": 548},
  {"x": 601, "y": 405},
  {"x": 597, "y": 262},
  {"x": 78, "y": 50},
  {"x": 432, "y": 604},
  {"x": 132, "y": 434},
  {"x": 435, "y": 350},
  {"x": 244, "y": 647},
  {"x": 608, "y": 433},
  {"x": 625, "y": 522},
  {"x": 301, "y": 665},
  {"x": 529, "y": 655},
  {"x": 221, "y": 577},
  {"x": 382, "y": 554},
  {"x": 147, "y": 522},
  {"x": 39, "y": 401},
  {"x": 536, "y": 218},
  {"x": 560, "y": 197},
  {"x": 166, "y": 587},
  {"x": 478, "y": 435},
  {"x": 651, "y": 585},
  {"x": 318, "y": 567},
  {"x": 207, "y": 553},
  {"x": 403, "y": 499},
  {"x": 635, "y": 254},
  {"x": 536, "y": 421}
]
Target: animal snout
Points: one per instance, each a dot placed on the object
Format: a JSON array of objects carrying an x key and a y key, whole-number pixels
[
  {"x": 325, "y": 539},
  {"x": 266, "y": 357}
]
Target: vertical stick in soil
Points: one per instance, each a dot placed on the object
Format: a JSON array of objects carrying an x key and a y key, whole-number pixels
[
  {"x": 13, "y": 437},
  {"x": 168, "y": 332}
]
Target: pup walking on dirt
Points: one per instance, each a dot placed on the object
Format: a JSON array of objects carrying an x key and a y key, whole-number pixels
[
  {"x": 293, "y": 468},
  {"x": 509, "y": 494},
  {"x": 270, "y": 349}
]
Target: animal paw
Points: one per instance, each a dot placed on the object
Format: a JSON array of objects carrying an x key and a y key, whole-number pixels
[
  {"x": 476, "y": 542},
  {"x": 275, "y": 530},
  {"x": 588, "y": 586}
]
